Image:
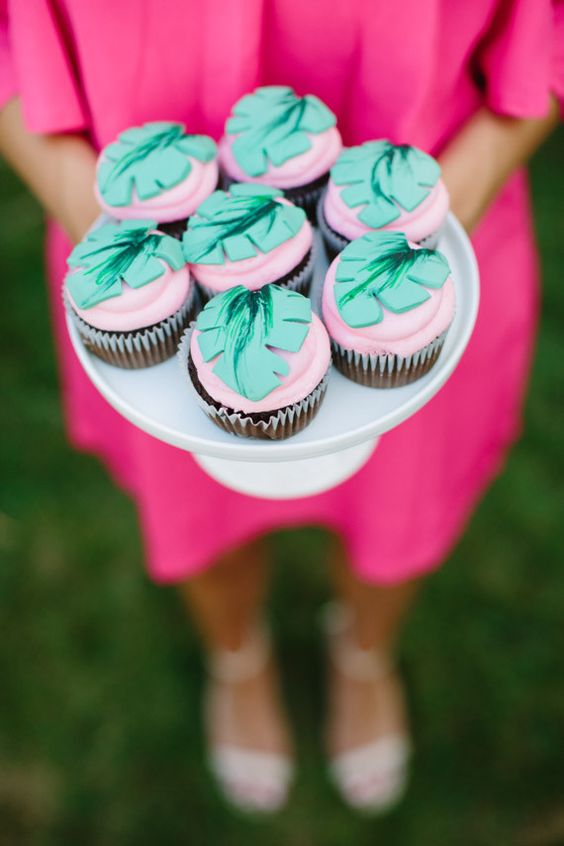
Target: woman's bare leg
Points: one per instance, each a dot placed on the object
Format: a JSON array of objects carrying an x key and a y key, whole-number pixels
[
  {"x": 226, "y": 602},
  {"x": 361, "y": 711}
]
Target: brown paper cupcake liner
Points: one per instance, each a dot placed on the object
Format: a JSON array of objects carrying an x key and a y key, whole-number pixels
[
  {"x": 143, "y": 348},
  {"x": 298, "y": 279},
  {"x": 386, "y": 371},
  {"x": 304, "y": 196},
  {"x": 275, "y": 426}
]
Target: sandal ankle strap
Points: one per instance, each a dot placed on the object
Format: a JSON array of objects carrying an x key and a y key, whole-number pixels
[
  {"x": 239, "y": 665},
  {"x": 351, "y": 660}
]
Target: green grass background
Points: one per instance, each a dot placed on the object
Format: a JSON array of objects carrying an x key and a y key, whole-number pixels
[{"x": 101, "y": 676}]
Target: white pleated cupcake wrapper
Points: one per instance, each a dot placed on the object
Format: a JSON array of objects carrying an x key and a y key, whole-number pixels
[
  {"x": 301, "y": 282},
  {"x": 389, "y": 364},
  {"x": 333, "y": 240},
  {"x": 337, "y": 242},
  {"x": 143, "y": 342},
  {"x": 285, "y": 419}
]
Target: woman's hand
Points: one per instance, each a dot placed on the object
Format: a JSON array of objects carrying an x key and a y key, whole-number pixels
[
  {"x": 58, "y": 169},
  {"x": 477, "y": 162}
]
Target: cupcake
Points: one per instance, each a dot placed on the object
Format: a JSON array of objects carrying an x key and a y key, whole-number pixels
[
  {"x": 276, "y": 138},
  {"x": 258, "y": 361},
  {"x": 156, "y": 172},
  {"x": 382, "y": 186},
  {"x": 387, "y": 305},
  {"x": 250, "y": 236},
  {"x": 130, "y": 293}
]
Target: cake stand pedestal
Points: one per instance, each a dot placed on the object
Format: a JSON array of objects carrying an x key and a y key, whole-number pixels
[{"x": 288, "y": 479}]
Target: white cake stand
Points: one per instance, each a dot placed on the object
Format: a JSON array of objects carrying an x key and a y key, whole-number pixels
[{"x": 338, "y": 441}]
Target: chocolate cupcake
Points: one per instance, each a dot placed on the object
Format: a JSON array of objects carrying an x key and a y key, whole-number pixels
[
  {"x": 157, "y": 172},
  {"x": 387, "y": 305},
  {"x": 250, "y": 236},
  {"x": 129, "y": 293},
  {"x": 258, "y": 361},
  {"x": 381, "y": 186},
  {"x": 276, "y": 138}
]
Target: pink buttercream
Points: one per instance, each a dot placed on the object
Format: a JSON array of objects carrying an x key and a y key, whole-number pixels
[
  {"x": 137, "y": 308},
  {"x": 173, "y": 204},
  {"x": 258, "y": 270},
  {"x": 299, "y": 170},
  {"x": 397, "y": 334},
  {"x": 417, "y": 224},
  {"x": 307, "y": 368}
]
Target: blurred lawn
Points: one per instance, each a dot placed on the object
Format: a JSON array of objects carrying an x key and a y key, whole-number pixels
[{"x": 100, "y": 676}]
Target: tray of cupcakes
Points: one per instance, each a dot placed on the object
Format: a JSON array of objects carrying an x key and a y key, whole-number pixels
[{"x": 275, "y": 298}]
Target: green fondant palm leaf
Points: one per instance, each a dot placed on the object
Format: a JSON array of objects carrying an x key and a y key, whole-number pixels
[
  {"x": 240, "y": 224},
  {"x": 119, "y": 252},
  {"x": 385, "y": 179},
  {"x": 272, "y": 125},
  {"x": 244, "y": 328},
  {"x": 381, "y": 269},
  {"x": 150, "y": 158}
]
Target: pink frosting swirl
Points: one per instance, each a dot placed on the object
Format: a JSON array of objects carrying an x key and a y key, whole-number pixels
[
  {"x": 417, "y": 224},
  {"x": 299, "y": 170},
  {"x": 137, "y": 308},
  {"x": 397, "y": 334},
  {"x": 258, "y": 270},
  {"x": 308, "y": 366},
  {"x": 172, "y": 204}
]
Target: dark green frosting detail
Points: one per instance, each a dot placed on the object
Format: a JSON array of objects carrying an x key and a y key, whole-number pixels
[
  {"x": 381, "y": 269},
  {"x": 239, "y": 224},
  {"x": 244, "y": 328},
  {"x": 152, "y": 158},
  {"x": 272, "y": 126},
  {"x": 130, "y": 251},
  {"x": 384, "y": 178}
]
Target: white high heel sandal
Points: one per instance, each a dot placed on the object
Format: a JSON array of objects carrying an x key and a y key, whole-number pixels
[
  {"x": 373, "y": 777},
  {"x": 251, "y": 780}
]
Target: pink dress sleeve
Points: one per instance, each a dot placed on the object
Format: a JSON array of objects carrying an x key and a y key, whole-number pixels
[
  {"x": 35, "y": 64},
  {"x": 557, "y": 75},
  {"x": 521, "y": 57},
  {"x": 8, "y": 85}
]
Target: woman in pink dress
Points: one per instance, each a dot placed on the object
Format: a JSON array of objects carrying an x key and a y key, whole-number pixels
[{"x": 474, "y": 84}]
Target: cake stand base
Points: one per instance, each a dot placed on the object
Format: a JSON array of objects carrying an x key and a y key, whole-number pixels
[{"x": 288, "y": 479}]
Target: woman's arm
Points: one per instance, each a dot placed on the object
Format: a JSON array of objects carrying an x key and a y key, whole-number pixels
[
  {"x": 58, "y": 169},
  {"x": 484, "y": 154}
]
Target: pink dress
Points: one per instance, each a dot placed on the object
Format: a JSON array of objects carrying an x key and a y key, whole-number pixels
[{"x": 412, "y": 72}]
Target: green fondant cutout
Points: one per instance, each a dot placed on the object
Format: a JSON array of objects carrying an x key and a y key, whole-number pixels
[
  {"x": 272, "y": 125},
  {"x": 384, "y": 178},
  {"x": 130, "y": 251},
  {"x": 244, "y": 328},
  {"x": 381, "y": 269},
  {"x": 240, "y": 224},
  {"x": 152, "y": 158}
]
